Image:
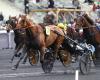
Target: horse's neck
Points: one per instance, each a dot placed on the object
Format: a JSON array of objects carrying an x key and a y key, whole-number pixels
[
  {"x": 72, "y": 34},
  {"x": 91, "y": 33},
  {"x": 91, "y": 26},
  {"x": 37, "y": 28},
  {"x": 87, "y": 36},
  {"x": 88, "y": 26}
]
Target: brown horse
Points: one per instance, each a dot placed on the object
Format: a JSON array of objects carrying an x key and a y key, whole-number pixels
[
  {"x": 90, "y": 32},
  {"x": 37, "y": 39},
  {"x": 19, "y": 39}
]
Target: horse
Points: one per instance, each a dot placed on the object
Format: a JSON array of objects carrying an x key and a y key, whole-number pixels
[
  {"x": 18, "y": 35},
  {"x": 37, "y": 39},
  {"x": 90, "y": 32},
  {"x": 19, "y": 39},
  {"x": 71, "y": 32}
]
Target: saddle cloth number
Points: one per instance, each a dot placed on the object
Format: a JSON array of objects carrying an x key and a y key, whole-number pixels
[{"x": 47, "y": 30}]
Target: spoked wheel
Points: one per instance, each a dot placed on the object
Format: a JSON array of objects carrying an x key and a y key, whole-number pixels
[
  {"x": 85, "y": 64},
  {"x": 33, "y": 57},
  {"x": 48, "y": 62},
  {"x": 65, "y": 57}
]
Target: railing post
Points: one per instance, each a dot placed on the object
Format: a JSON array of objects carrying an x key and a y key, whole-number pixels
[{"x": 57, "y": 14}]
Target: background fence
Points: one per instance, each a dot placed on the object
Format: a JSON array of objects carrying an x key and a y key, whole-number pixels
[{"x": 6, "y": 40}]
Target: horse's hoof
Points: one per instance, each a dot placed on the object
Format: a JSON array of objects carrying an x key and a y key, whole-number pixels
[
  {"x": 14, "y": 68},
  {"x": 18, "y": 55}
]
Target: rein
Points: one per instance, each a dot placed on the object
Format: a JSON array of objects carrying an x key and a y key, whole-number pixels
[{"x": 86, "y": 27}]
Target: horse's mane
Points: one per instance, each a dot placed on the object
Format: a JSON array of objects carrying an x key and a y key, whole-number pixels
[{"x": 88, "y": 19}]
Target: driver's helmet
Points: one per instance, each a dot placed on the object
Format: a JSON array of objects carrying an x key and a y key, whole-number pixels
[{"x": 62, "y": 26}]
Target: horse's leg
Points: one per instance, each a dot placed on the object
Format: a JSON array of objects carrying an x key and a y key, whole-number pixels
[
  {"x": 56, "y": 53},
  {"x": 58, "y": 44},
  {"x": 42, "y": 53},
  {"x": 26, "y": 56},
  {"x": 21, "y": 57},
  {"x": 97, "y": 52},
  {"x": 25, "y": 59},
  {"x": 17, "y": 48}
]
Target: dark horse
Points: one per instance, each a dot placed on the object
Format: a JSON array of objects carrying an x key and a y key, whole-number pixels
[
  {"x": 90, "y": 32},
  {"x": 38, "y": 40},
  {"x": 19, "y": 35}
]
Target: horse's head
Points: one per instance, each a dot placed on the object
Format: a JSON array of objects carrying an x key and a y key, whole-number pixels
[
  {"x": 24, "y": 22},
  {"x": 79, "y": 22},
  {"x": 90, "y": 32},
  {"x": 11, "y": 23},
  {"x": 83, "y": 21}
]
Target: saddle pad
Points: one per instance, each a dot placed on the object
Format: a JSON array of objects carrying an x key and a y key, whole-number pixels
[
  {"x": 57, "y": 29},
  {"x": 53, "y": 28}
]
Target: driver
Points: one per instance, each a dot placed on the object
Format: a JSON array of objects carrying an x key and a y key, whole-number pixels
[{"x": 50, "y": 18}]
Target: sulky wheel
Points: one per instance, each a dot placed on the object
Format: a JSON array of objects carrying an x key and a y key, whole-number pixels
[
  {"x": 85, "y": 64},
  {"x": 65, "y": 57},
  {"x": 48, "y": 62},
  {"x": 33, "y": 57}
]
